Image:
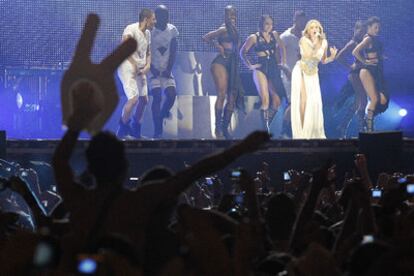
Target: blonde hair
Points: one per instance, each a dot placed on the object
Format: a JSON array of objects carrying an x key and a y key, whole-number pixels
[{"x": 306, "y": 33}]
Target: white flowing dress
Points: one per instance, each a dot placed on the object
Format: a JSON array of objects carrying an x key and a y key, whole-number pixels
[{"x": 306, "y": 71}]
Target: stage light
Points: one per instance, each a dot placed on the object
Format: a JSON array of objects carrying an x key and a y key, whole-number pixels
[{"x": 403, "y": 112}]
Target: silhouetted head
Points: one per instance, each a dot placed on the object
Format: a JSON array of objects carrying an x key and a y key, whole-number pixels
[
  {"x": 106, "y": 158},
  {"x": 230, "y": 20},
  {"x": 156, "y": 173},
  {"x": 299, "y": 19},
  {"x": 165, "y": 209},
  {"x": 365, "y": 256},
  {"x": 162, "y": 16},
  {"x": 359, "y": 30},
  {"x": 280, "y": 216},
  {"x": 230, "y": 15}
]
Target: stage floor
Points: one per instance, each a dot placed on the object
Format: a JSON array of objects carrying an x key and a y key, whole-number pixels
[{"x": 47, "y": 146}]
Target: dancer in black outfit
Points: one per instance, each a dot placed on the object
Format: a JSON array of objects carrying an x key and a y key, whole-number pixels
[
  {"x": 225, "y": 70},
  {"x": 353, "y": 86},
  {"x": 266, "y": 71},
  {"x": 370, "y": 53}
]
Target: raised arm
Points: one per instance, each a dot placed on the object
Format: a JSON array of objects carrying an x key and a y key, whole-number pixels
[
  {"x": 350, "y": 201},
  {"x": 84, "y": 112},
  {"x": 83, "y": 78},
  {"x": 362, "y": 165},
  {"x": 172, "y": 187},
  {"x": 307, "y": 48},
  {"x": 64, "y": 175},
  {"x": 367, "y": 214},
  {"x": 211, "y": 38},
  {"x": 319, "y": 182},
  {"x": 248, "y": 186},
  {"x": 347, "y": 48},
  {"x": 325, "y": 59}
]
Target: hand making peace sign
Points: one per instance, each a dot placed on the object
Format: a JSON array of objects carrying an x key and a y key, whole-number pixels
[{"x": 88, "y": 90}]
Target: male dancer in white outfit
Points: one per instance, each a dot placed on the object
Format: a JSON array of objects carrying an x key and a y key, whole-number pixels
[
  {"x": 132, "y": 73},
  {"x": 291, "y": 39},
  {"x": 163, "y": 53}
]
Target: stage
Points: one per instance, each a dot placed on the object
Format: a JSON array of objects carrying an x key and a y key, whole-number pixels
[{"x": 281, "y": 155}]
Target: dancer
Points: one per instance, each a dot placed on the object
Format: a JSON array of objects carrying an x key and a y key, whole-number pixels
[
  {"x": 225, "y": 71},
  {"x": 371, "y": 73},
  {"x": 163, "y": 53},
  {"x": 132, "y": 74},
  {"x": 353, "y": 86},
  {"x": 306, "y": 102},
  {"x": 291, "y": 39},
  {"x": 266, "y": 73}
]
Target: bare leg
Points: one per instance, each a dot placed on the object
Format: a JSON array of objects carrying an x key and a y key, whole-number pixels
[
  {"x": 170, "y": 94},
  {"x": 275, "y": 102},
  {"x": 139, "y": 112},
  {"x": 383, "y": 99},
  {"x": 156, "y": 111},
  {"x": 369, "y": 86},
  {"x": 220, "y": 76},
  {"x": 360, "y": 94},
  {"x": 262, "y": 87},
  {"x": 124, "y": 128},
  {"x": 360, "y": 99},
  {"x": 286, "y": 127},
  {"x": 274, "y": 97},
  {"x": 303, "y": 98},
  {"x": 128, "y": 109}
]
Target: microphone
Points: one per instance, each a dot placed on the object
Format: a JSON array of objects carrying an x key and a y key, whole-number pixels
[{"x": 318, "y": 34}]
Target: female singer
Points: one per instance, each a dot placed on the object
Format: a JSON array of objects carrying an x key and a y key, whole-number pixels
[{"x": 306, "y": 103}]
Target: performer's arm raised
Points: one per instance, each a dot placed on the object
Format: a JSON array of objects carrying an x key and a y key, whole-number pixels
[
  {"x": 211, "y": 38},
  {"x": 333, "y": 50},
  {"x": 347, "y": 48}
]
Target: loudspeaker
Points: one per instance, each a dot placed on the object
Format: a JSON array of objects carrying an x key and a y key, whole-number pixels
[
  {"x": 2, "y": 144},
  {"x": 383, "y": 151}
]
